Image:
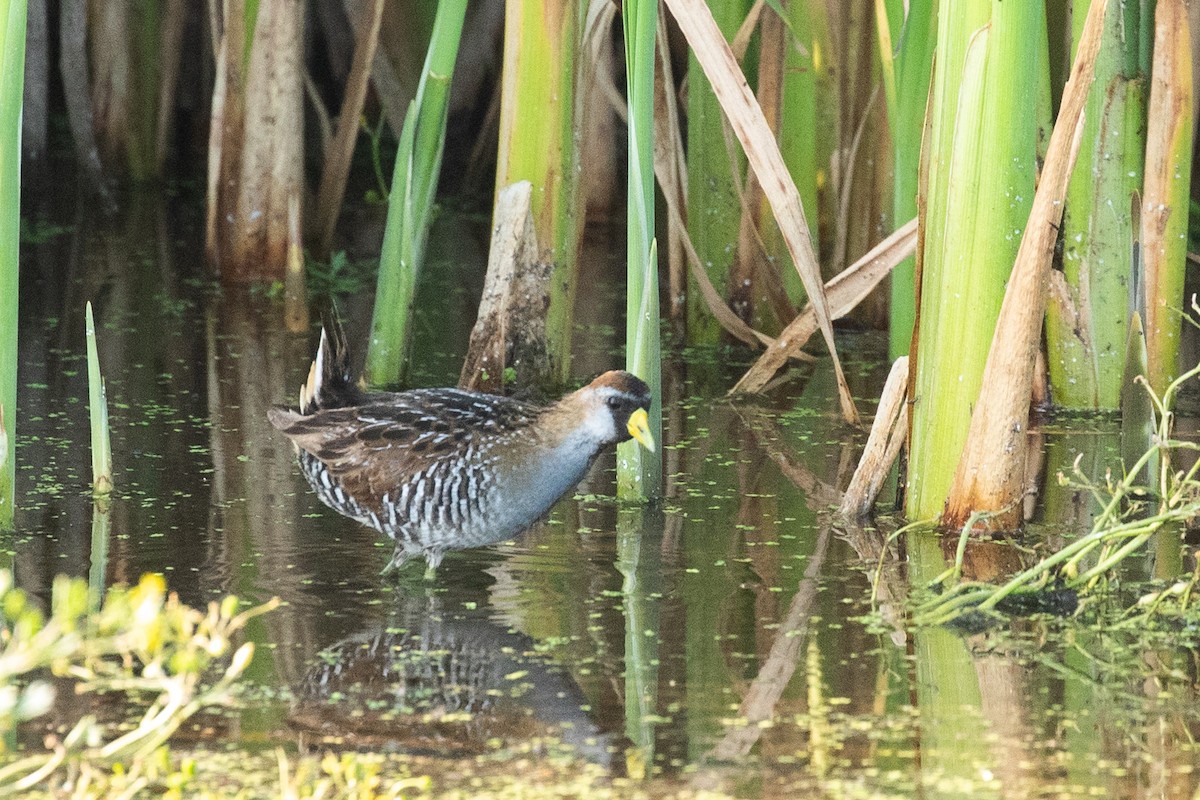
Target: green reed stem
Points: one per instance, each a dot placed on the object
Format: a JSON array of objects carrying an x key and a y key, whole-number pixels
[
  {"x": 1086, "y": 345},
  {"x": 410, "y": 201},
  {"x": 98, "y": 568},
  {"x": 907, "y": 37},
  {"x": 642, "y": 615},
  {"x": 12, "y": 81},
  {"x": 639, "y": 472},
  {"x": 714, "y": 207},
  {"x": 1167, "y": 187}
]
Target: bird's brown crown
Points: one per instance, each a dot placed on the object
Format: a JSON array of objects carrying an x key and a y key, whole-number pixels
[{"x": 625, "y": 382}]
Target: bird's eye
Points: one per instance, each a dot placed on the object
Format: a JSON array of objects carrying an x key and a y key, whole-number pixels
[{"x": 613, "y": 402}]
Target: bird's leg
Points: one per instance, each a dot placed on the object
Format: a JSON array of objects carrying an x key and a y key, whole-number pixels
[
  {"x": 399, "y": 558},
  {"x": 433, "y": 558}
]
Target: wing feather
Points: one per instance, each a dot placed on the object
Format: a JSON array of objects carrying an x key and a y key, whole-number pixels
[{"x": 373, "y": 448}]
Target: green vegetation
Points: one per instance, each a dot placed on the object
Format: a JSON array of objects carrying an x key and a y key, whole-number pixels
[
  {"x": 102, "y": 475},
  {"x": 12, "y": 65},
  {"x": 639, "y": 472},
  {"x": 141, "y": 642},
  {"x": 411, "y": 201},
  {"x": 1131, "y": 515},
  {"x": 338, "y": 276},
  {"x": 980, "y": 190},
  {"x": 538, "y": 143}
]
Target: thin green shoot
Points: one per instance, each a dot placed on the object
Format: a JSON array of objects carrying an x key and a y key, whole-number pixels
[
  {"x": 98, "y": 567},
  {"x": 375, "y": 134},
  {"x": 102, "y": 474}
]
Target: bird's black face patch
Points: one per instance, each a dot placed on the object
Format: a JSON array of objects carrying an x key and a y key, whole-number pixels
[{"x": 622, "y": 406}]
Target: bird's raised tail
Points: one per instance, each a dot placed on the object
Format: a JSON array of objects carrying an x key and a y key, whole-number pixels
[{"x": 329, "y": 384}]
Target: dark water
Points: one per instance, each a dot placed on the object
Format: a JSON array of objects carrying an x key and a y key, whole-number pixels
[{"x": 640, "y": 639}]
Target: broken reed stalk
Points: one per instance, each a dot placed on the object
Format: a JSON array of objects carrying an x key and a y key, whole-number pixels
[
  {"x": 762, "y": 152},
  {"x": 414, "y": 186},
  {"x": 538, "y": 144},
  {"x": 979, "y": 192},
  {"x": 510, "y": 329},
  {"x": 1088, "y": 320},
  {"x": 1166, "y": 190},
  {"x": 102, "y": 474},
  {"x": 990, "y": 472},
  {"x": 12, "y": 81},
  {"x": 845, "y": 291},
  {"x": 888, "y": 432},
  {"x": 639, "y": 472},
  {"x": 332, "y": 189}
]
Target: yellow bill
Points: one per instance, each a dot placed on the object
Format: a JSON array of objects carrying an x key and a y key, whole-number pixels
[{"x": 639, "y": 428}]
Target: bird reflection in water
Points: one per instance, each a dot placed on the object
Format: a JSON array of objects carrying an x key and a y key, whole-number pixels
[{"x": 440, "y": 682}]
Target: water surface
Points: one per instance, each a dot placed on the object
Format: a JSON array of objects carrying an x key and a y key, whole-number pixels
[{"x": 642, "y": 640}]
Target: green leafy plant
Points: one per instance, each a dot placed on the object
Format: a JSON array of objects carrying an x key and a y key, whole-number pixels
[
  {"x": 339, "y": 276},
  {"x": 142, "y": 641}
]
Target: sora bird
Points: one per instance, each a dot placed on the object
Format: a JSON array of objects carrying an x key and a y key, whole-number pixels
[{"x": 449, "y": 469}]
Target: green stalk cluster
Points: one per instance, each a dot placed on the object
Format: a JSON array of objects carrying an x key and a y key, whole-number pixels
[
  {"x": 410, "y": 202},
  {"x": 980, "y": 190}
]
